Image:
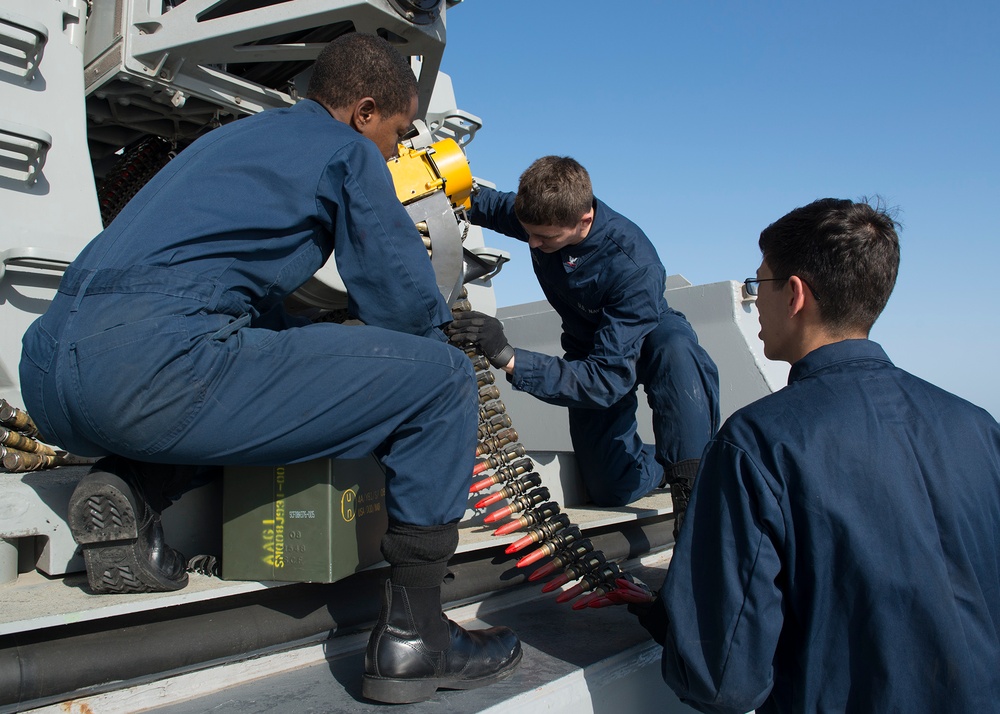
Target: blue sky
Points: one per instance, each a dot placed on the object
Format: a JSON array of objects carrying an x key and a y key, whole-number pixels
[{"x": 705, "y": 121}]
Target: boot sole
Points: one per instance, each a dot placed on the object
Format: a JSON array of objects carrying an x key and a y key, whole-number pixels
[
  {"x": 100, "y": 510},
  {"x": 102, "y": 521},
  {"x": 409, "y": 691}
]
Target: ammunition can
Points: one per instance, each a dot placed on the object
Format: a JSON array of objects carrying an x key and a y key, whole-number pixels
[{"x": 318, "y": 521}]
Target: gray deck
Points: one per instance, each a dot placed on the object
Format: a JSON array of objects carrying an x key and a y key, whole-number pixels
[{"x": 597, "y": 660}]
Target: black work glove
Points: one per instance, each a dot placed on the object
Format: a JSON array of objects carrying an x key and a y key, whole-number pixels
[
  {"x": 642, "y": 602},
  {"x": 484, "y": 332},
  {"x": 653, "y": 617}
]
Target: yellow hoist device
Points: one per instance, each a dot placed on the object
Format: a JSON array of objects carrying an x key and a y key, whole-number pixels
[
  {"x": 442, "y": 166},
  {"x": 435, "y": 186}
]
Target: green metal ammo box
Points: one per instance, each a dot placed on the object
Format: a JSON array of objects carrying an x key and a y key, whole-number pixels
[{"x": 317, "y": 521}]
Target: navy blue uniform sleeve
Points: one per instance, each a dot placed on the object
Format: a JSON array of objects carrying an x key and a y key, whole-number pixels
[
  {"x": 379, "y": 253},
  {"x": 607, "y": 372},
  {"x": 723, "y": 603},
  {"x": 494, "y": 210}
]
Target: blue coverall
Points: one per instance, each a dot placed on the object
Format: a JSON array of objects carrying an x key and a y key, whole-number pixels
[
  {"x": 167, "y": 340},
  {"x": 618, "y": 332},
  {"x": 847, "y": 531}
]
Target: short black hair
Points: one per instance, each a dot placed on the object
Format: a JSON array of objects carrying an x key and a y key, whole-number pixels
[
  {"x": 553, "y": 191},
  {"x": 847, "y": 252},
  {"x": 357, "y": 65}
]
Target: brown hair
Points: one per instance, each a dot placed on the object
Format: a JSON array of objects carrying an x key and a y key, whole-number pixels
[{"x": 553, "y": 191}]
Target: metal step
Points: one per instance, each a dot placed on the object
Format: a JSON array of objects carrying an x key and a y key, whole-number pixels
[
  {"x": 36, "y": 602},
  {"x": 592, "y": 660},
  {"x": 59, "y": 643}
]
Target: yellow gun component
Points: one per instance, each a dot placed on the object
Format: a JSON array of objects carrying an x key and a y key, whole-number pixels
[{"x": 441, "y": 166}]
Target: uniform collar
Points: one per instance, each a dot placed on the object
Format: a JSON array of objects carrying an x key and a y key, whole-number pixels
[
  {"x": 310, "y": 105},
  {"x": 837, "y": 353},
  {"x": 575, "y": 255}
]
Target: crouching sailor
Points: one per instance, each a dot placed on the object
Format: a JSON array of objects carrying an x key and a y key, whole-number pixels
[{"x": 168, "y": 343}]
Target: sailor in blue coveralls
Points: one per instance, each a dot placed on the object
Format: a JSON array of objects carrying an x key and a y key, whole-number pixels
[
  {"x": 602, "y": 275},
  {"x": 168, "y": 343},
  {"x": 851, "y": 519}
]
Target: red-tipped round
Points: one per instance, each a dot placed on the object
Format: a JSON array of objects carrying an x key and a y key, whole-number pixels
[
  {"x": 519, "y": 544},
  {"x": 556, "y": 582},
  {"x": 532, "y": 557},
  {"x": 542, "y": 571},
  {"x": 509, "y": 528},
  {"x": 497, "y": 515},
  {"x": 480, "y": 467},
  {"x": 603, "y": 601},
  {"x": 586, "y": 600},
  {"x": 481, "y": 485},
  {"x": 492, "y": 498},
  {"x": 569, "y": 594}
]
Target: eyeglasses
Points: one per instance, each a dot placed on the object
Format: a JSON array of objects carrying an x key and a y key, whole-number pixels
[{"x": 750, "y": 285}]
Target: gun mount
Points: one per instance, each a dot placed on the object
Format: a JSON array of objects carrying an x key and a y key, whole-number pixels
[{"x": 95, "y": 97}]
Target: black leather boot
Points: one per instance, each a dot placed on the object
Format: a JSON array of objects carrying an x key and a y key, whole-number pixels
[
  {"x": 680, "y": 476},
  {"x": 415, "y": 650},
  {"x": 119, "y": 530}
]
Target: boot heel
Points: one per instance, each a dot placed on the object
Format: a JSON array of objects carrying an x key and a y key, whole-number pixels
[
  {"x": 121, "y": 537},
  {"x": 102, "y": 513},
  {"x": 397, "y": 691},
  {"x": 111, "y": 569}
]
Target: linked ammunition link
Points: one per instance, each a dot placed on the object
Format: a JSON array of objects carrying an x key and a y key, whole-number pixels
[
  {"x": 479, "y": 363},
  {"x": 516, "y": 505},
  {"x": 578, "y": 569},
  {"x": 492, "y": 426},
  {"x": 563, "y": 558},
  {"x": 20, "y": 442},
  {"x": 491, "y": 409},
  {"x": 130, "y": 173},
  {"x": 488, "y": 393},
  {"x": 493, "y": 444},
  {"x": 504, "y": 457},
  {"x": 13, "y": 418},
  {"x": 20, "y": 449},
  {"x": 527, "y": 504},
  {"x": 553, "y": 543},
  {"x": 532, "y": 517},
  {"x": 540, "y": 532},
  {"x": 16, "y": 461},
  {"x": 513, "y": 488},
  {"x": 503, "y": 474},
  {"x": 604, "y": 576}
]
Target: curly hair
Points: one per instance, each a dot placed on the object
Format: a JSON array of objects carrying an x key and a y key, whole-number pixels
[{"x": 356, "y": 65}]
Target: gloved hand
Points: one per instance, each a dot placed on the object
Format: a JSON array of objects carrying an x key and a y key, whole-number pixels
[
  {"x": 642, "y": 602},
  {"x": 653, "y": 618},
  {"x": 483, "y": 331}
]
